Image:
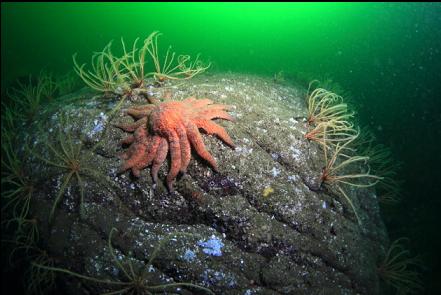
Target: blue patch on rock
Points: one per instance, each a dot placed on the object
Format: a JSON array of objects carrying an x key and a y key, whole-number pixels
[
  {"x": 212, "y": 246},
  {"x": 189, "y": 255},
  {"x": 213, "y": 277},
  {"x": 98, "y": 124}
]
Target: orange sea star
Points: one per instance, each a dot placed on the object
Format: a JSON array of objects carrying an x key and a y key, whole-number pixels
[{"x": 174, "y": 126}]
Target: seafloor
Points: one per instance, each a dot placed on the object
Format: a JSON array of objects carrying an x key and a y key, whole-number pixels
[{"x": 262, "y": 225}]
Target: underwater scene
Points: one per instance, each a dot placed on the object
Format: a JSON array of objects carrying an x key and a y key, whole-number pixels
[{"x": 220, "y": 148}]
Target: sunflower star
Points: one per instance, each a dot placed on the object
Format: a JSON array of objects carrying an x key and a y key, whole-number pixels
[{"x": 171, "y": 125}]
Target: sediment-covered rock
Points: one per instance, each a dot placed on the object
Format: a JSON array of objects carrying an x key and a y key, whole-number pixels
[{"x": 259, "y": 226}]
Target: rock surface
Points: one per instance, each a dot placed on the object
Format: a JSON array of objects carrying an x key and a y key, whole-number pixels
[{"x": 257, "y": 227}]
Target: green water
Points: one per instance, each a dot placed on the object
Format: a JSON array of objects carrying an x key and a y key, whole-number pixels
[{"x": 387, "y": 55}]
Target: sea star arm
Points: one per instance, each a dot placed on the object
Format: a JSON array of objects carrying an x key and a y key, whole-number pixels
[
  {"x": 212, "y": 128},
  {"x": 189, "y": 99},
  {"x": 218, "y": 107},
  {"x": 150, "y": 153},
  {"x": 128, "y": 140},
  {"x": 185, "y": 148},
  {"x": 143, "y": 107},
  {"x": 196, "y": 104},
  {"x": 140, "y": 112},
  {"x": 136, "y": 150},
  {"x": 215, "y": 114},
  {"x": 196, "y": 141},
  {"x": 136, "y": 172},
  {"x": 133, "y": 126},
  {"x": 137, "y": 140},
  {"x": 175, "y": 154},
  {"x": 160, "y": 157}
]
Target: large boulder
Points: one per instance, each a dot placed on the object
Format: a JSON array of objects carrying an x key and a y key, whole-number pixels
[{"x": 259, "y": 226}]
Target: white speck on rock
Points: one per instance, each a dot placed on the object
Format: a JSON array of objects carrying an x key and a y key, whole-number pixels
[
  {"x": 296, "y": 154},
  {"x": 292, "y": 178},
  {"x": 292, "y": 120},
  {"x": 275, "y": 171},
  {"x": 229, "y": 88},
  {"x": 243, "y": 151}
]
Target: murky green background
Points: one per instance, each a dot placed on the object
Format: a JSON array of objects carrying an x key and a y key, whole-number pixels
[{"x": 386, "y": 54}]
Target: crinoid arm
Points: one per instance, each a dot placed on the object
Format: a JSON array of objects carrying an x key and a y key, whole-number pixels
[
  {"x": 134, "y": 279},
  {"x": 325, "y": 106},
  {"x": 399, "y": 269},
  {"x": 383, "y": 164},
  {"x": 122, "y": 75},
  {"x": 109, "y": 74},
  {"x": 170, "y": 67},
  {"x": 329, "y": 134},
  {"x": 335, "y": 169}
]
